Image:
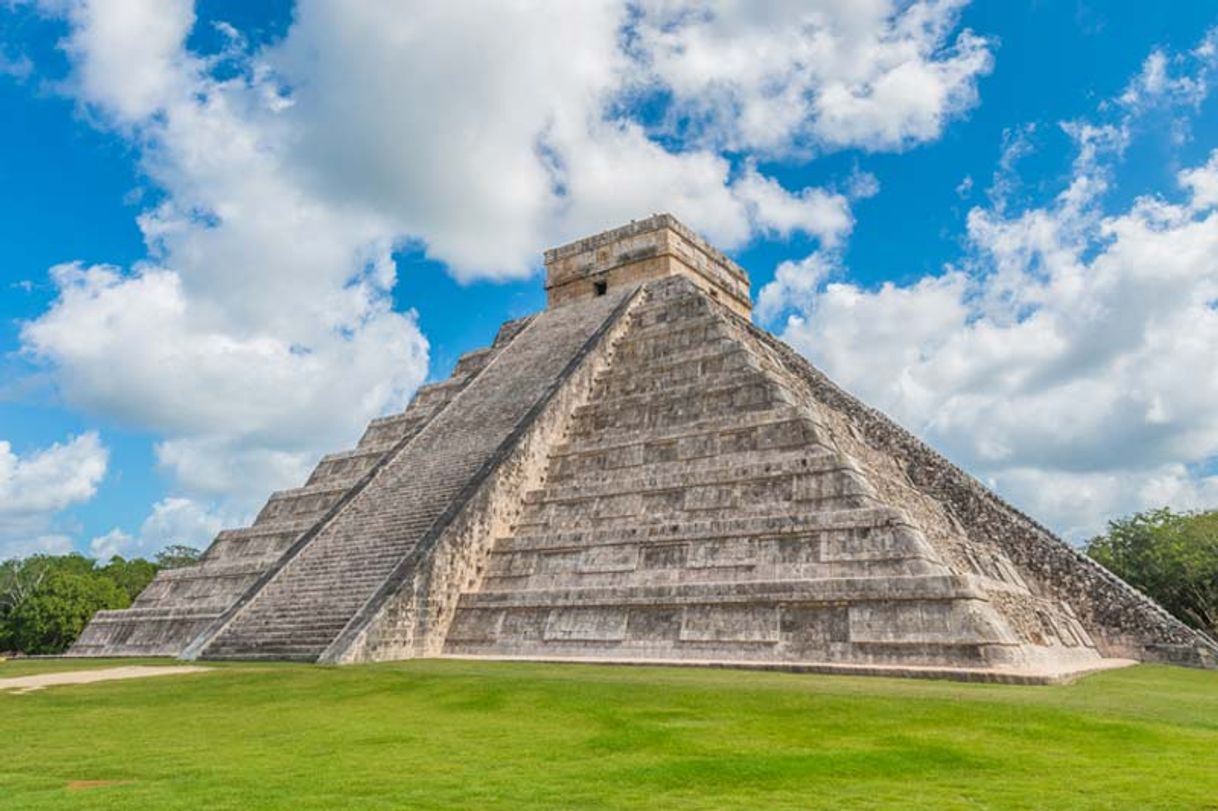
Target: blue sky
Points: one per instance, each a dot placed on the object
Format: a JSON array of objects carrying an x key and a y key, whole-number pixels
[{"x": 232, "y": 233}]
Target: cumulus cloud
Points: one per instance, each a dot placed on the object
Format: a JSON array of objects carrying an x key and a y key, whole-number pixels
[
  {"x": 524, "y": 144},
  {"x": 37, "y": 485},
  {"x": 1174, "y": 79},
  {"x": 172, "y": 521},
  {"x": 50, "y": 479},
  {"x": 261, "y": 324},
  {"x": 260, "y": 329},
  {"x": 1069, "y": 360},
  {"x": 790, "y": 76}
]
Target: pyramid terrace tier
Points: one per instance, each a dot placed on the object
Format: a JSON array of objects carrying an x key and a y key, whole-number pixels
[
  {"x": 885, "y": 551},
  {"x": 912, "y": 621}
]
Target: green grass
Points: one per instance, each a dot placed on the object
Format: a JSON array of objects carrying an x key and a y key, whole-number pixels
[{"x": 446, "y": 734}]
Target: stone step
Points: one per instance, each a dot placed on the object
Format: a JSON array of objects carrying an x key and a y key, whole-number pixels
[
  {"x": 658, "y": 308},
  {"x": 666, "y": 508},
  {"x": 774, "y": 419},
  {"x": 675, "y": 356},
  {"x": 667, "y": 340},
  {"x": 680, "y": 409},
  {"x": 362, "y": 557},
  {"x": 299, "y": 502},
  {"x": 297, "y": 624},
  {"x": 392, "y": 429},
  {"x": 209, "y": 571},
  {"x": 305, "y": 655},
  {"x": 264, "y": 641},
  {"x": 708, "y": 368},
  {"x": 724, "y": 468},
  {"x": 762, "y": 568},
  {"x": 679, "y": 331},
  {"x": 313, "y": 635},
  {"x": 698, "y": 455},
  {"x": 646, "y": 325},
  {"x": 319, "y": 576},
  {"x": 713, "y": 386},
  {"x": 472, "y": 362},
  {"x": 510, "y": 329},
  {"x": 789, "y": 490},
  {"x": 644, "y": 393},
  {"x": 696, "y": 529},
  {"x": 332, "y": 585},
  {"x": 350, "y": 465},
  {"x": 826, "y": 590}
]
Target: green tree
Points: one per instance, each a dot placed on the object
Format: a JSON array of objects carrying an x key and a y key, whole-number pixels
[
  {"x": 50, "y": 619},
  {"x": 132, "y": 576},
  {"x": 1173, "y": 557},
  {"x": 177, "y": 556},
  {"x": 46, "y": 600},
  {"x": 22, "y": 579}
]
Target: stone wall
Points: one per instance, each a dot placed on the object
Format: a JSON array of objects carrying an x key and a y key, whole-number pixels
[{"x": 642, "y": 251}]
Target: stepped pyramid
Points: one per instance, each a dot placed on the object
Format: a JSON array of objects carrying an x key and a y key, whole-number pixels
[{"x": 640, "y": 474}]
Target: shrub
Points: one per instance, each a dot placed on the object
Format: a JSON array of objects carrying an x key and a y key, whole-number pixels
[{"x": 1173, "y": 557}]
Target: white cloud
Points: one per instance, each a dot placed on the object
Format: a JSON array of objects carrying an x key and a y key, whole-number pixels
[
  {"x": 173, "y": 521},
  {"x": 262, "y": 324},
  {"x": 525, "y": 144},
  {"x": 776, "y": 77},
  {"x": 260, "y": 330},
  {"x": 1202, "y": 183},
  {"x": 127, "y": 52},
  {"x": 795, "y": 285},
  {"x": 1070, "y": 361},
  {"x": 1156, "y": 84},
  {"x": 823, "y": 214},
  {"x": 50, "y": 479},
  {"x": 1075, "y": 502},
  {"x": 36, "y": 486},
  {"x": 25, "y": 546}
]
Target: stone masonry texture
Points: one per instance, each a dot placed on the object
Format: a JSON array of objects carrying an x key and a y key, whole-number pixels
[{"x": 640, "y": 474}]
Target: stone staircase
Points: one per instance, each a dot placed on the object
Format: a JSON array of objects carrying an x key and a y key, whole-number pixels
[
  {"x": 181, "y": 603},
  {"x": 320, "y": 590}
]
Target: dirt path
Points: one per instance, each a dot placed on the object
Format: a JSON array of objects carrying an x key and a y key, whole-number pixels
[{"x": 28, "y": 684}]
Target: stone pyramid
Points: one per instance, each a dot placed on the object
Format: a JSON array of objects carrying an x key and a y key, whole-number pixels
[{"x": 639, "y": 474}]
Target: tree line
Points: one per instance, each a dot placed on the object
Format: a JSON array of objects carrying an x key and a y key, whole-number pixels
[{"x": 46, "y": 600}]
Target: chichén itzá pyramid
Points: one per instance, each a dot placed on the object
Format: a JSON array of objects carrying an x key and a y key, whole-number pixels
[{"x": 639, "y": 474}]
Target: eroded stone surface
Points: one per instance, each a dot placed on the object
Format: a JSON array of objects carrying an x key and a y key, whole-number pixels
[{"x": 639, "y": 474}]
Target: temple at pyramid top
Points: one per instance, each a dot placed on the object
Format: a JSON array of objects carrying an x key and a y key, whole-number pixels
[
  {"x": 638, "y": 473},
  {"x": 647, "y": 249}
]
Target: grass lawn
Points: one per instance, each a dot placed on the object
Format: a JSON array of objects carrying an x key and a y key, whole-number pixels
[{"x": 447, "y": 734}]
